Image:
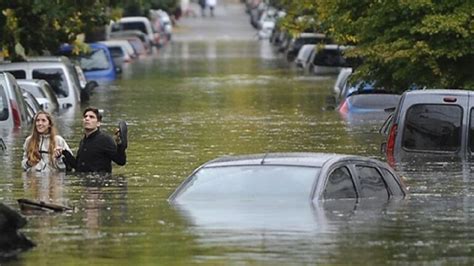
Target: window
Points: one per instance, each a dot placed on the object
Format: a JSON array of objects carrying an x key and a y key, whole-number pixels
[
  {"x": 56, "y": 78},
  {"x": 96, "y": 60},
  {"x": 251, "y": 182},
  {"x": 18, "y": 74},
  {"x": 433, "y": 127},
  {"x": 3, "y": 104},
  {"x": 134, "y": 26},
  {"x": 392, "y": 183},
  {"x": 471, "y": 131},
  {"x": 329, "y": 57},
  {"x": 340, "y": 185},
  {"x": 371, "y": 183}
]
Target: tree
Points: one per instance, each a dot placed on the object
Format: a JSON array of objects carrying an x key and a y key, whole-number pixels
[
  {"x": 422, "y": 42},
  {"x": 39, "y": 27},
  {"x": 403, "y": 42}
]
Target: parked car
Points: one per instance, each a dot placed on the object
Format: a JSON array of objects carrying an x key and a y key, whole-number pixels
[
  {"x": 328, "y": 59},
  {"x": 363, "y": 97},
  {"x": 341, "y": 79},
  {"x": 136, "y": 38},
  {"x": 162, "y": 24},
  {"x": 97, "y": 64},
  {"x": 121, "y": 50},
  {"x": 297, "y": 42},
  {"x": 59, "y": 72},
  {"x": 290, "y": 176},
  {"x": 13, "y": 108},
  {"x": 43, "y": 93},
  {"x": 303, "y": 56},
  {"x": 32, "y": 105},
  {"x": 142, "y": 24},
  {"x": 430, "y": 123}
]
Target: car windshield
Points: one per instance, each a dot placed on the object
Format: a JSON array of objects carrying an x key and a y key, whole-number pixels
[
  {"x": 250, "y": 183},
  {"x": 56, "y": 78},
  {"x": 131, "y": 26},
  {"x": 375, "y": 101},
  {"x": 96, "y": 60},
  {"x": 35, "y": 90}
]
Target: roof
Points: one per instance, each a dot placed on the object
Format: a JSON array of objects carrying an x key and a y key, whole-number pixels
[
  {"x": 133, "y": 19},
  {"x": 294, "y": 158},
  {"x": 438, "y": 92}
]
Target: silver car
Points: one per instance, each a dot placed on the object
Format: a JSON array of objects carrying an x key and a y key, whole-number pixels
[
  {"x": 13, "y": 109},
  {"x": 43, "y": 93},
  {"x": 430, "y": 123},
  {"x": 300, "y": 177}
]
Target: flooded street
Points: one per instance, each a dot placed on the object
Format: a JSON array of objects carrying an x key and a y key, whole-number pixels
[{"x": 217, "y": 90}]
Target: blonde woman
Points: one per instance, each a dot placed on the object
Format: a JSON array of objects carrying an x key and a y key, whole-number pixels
[{"x": 42, "y": 150}]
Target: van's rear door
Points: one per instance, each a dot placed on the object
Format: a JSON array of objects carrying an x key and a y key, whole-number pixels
[{"x": 433, "y": 122}]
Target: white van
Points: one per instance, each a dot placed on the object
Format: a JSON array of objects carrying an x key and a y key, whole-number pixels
[{"x": 59, "y": 72}]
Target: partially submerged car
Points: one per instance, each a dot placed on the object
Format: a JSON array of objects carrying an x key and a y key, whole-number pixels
[
  {"x": 328, "y": 59},
  {"x": 13, "y": 108},
  {"x": 58, "y": 71},
  {"x": 297, "y": 42},
  {"x": 43, "y": 93},
  {"x": 97, "y": 64},
  {"x": 430, "y": 123},
  {"x": 290, "y": 176},
  {"x": 142, "y": 24}
]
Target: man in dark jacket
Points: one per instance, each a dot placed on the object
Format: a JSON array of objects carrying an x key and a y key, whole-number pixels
[{"x": 97, "y": 149}]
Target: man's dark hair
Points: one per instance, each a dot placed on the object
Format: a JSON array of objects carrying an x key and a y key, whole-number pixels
[{"x": 95, "y": 111}]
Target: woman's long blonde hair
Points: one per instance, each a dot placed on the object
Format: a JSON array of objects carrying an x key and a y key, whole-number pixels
[{"x": 33, "y": 152}]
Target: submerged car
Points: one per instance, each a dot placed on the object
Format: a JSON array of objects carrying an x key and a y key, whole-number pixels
[
  {"x": 431, "y": 123},
  {"x": 13, "y": 108},
  {"x": 58, "y": 71},
  {"x": 43, "y": 93},
  {"x": 97, "y": 64},
  {"x": 290, "y": 176}
]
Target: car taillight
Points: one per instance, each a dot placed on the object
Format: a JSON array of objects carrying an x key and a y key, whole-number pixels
[
  {"x": 343, "y": 108},
  {"x": 15, "y": 114},
  {"x": 391, "y": 144}
]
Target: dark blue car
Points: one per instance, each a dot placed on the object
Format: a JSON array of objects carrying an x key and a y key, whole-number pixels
[{"x": 97, "y": 64}]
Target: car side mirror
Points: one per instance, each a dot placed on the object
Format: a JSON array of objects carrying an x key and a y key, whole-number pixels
[{"x": 118, "y": 70}]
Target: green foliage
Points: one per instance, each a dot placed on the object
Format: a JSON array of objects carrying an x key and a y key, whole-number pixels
[
  {"x": 403, "y": 42},
  {"x": 41, "y": 26}
]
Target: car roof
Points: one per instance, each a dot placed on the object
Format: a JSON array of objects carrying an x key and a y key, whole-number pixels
[
  {"x": 133, "y": 19},
  {"x": 310, "y": 35},
  {"x": 31, "y": 81},
  {"x": 294, "y": 158},
  {"x": 438, "y": 92}
]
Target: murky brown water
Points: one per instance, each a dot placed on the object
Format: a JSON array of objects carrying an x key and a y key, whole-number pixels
[{"x": 199, "y": 100}]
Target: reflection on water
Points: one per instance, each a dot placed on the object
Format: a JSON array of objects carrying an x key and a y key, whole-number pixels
[{"x": 281, "y": 232}]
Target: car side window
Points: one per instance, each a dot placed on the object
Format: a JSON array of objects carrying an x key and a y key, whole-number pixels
[
  {"x": 18, "y": 74},
  {"x": 56, "y": 78},
  {"x": 433, "y": 127},
  {"x": 392, "y": 183},
  {"x": 371, "y": 182},
  {"x": 471, "y": 131},
  {"x": 340, "y": 185},
  {"x": 3, "y": 104}
]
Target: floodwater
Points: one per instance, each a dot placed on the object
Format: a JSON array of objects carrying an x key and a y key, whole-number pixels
[{"x": 198, "y": 99}]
